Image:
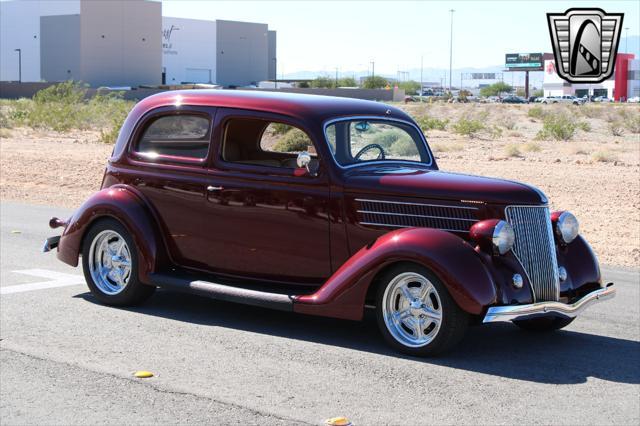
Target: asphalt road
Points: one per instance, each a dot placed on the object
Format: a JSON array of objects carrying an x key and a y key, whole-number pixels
[{"x": 65, "y": 359}]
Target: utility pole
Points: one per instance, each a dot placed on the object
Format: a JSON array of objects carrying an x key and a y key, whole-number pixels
[
  {"x": 275, "y": 72},
  {"x": 19, "y": 65},
  {"x": 626, "y": 40},
  {"x": 373, "y": 69},
  {"x": 421, "y": 75},
  {"x": 451, "y": 50},
  {"x": 336, "y": 77}
]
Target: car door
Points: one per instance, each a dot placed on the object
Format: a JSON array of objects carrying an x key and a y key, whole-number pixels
[
  {"x": 267, "y": 219},
  {"x": 167, "y": 164}
]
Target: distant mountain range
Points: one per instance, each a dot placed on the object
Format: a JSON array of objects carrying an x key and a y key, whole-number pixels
[{"x": 441, "y": 75}]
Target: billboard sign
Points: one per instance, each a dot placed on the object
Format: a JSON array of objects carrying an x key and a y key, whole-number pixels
[
  {"x": 523, "y": 60},
  {"x": 483, "y": 76}
]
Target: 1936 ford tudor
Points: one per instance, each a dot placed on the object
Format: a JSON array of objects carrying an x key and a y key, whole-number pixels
[{"x": 323, "y": 206}]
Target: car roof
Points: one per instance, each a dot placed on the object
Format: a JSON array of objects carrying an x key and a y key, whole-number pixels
[{"x": 301, "y": 106}]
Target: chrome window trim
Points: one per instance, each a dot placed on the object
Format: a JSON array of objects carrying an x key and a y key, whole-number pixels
[
  {"x": 331, "y": 121},
  {"x": 416, "y": 204}
]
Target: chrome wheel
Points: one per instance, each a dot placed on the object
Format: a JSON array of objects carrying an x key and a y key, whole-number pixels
[
  {"x": 412, "y": 310},
  {"x": 110, "y": 262}
]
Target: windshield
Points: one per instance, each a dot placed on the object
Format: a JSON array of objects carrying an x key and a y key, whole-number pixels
[{"x": 361, "y": 141}]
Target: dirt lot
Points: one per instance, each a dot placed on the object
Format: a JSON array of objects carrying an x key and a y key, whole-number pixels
[{"x": 595, "y": 175}]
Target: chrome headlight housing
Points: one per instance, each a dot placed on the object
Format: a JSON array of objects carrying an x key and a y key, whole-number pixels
[
  {"x": 567, "y": 227},
  {"x": 503, "y": 238}
]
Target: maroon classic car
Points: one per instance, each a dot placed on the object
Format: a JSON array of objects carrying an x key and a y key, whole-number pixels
[{"x": 323, "y": 206}]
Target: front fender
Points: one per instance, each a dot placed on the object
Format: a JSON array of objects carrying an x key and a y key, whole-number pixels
[
  {"x": 451, "y": 258},
  {"x": 127, "y": 206}
]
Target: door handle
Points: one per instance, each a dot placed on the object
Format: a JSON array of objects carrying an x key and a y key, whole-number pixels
[{"x": 211, "y": 188}]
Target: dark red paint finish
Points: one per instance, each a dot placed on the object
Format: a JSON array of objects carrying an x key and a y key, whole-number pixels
[{"x": 287, "y": 226}]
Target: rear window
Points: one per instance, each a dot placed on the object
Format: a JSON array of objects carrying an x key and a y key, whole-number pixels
[{"x": 184, "y": 135}]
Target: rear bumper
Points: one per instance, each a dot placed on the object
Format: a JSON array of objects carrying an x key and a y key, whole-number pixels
[{"x": 519, "y": 312}]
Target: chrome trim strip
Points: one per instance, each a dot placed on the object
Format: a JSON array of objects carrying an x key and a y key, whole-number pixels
[
  {"x": 378, "y": 118},
  {"x": 403, "y": 226},
  {"x": 415, "y": 215},
  {"x": 416, "y": 204},
  {"x": 515, "y": 312}
]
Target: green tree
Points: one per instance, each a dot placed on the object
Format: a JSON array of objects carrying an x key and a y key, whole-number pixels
[
  {"x": 323, "y": 82},
  {"x": 520, "y": 92},
  {"x": 538, "y": 93},
  {"x": 496, "y": 89},
  {"x": 410, "y": 87},
  {"x": 347, "y": 82},
  {"x": 375, "y": 82}
]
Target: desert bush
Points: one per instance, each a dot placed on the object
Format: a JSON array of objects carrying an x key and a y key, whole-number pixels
[
  {"x": 584, "y": 126},
  {"x": 295, "y": 140},
  {"x": 387, "y": 138},
  {"x": 469, "y": 127},
  {"x": 532, "y": 147},
  {"x": 616, "y": 128},
  {"x": 603, "y": 156},
  {"x": 427, "y": 122},
  {"x": 632, "y": 122},
  {"x": 557, "y": 126},
  {"x": 279, "y": 128},
  {"x": 591, "y": 111},
  {"x": 446, "y": 147},
  {"x": 507, "y": 122},
  {"x": 536, "y": 112},
  {"x": 512, "y": 150},
  {"x": 404, "y": 147},
  {"x": 5, "y": 133},
  {"x": 494, "y": 132}
]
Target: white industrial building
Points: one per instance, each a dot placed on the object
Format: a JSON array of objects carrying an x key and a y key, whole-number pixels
[{"x": 128, "y": 43}]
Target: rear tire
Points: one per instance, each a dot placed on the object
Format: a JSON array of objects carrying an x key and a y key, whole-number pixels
[
  {"x": 110, "y": 265},
  {"x": 543, "y": 324},
  {"x": 415, "y": 312}
]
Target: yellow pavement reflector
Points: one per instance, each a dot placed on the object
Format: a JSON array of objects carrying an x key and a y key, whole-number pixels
[
  {"x": 338, "y": 421},
  {"x": 16, "y": 231},
  {"x": 143, "y": 374}
]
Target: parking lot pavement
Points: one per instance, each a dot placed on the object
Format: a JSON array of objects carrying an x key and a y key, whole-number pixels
[{"x": 66, "y": 359}]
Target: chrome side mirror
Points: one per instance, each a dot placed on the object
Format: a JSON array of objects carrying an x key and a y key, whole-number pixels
[{"x": 304, "y": 162}]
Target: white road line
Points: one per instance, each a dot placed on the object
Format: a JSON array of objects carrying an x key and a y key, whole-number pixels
[{"x": 56, "y": 279}]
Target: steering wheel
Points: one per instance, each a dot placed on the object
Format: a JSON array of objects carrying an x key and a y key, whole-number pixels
[{"x": 369, "y": 148}]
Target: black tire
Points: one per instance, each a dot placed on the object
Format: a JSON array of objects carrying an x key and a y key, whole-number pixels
[
  {"x": 134, "y": 292},
  {"x": 454, "y": 320},
  {"x": 543, "y": 324}
]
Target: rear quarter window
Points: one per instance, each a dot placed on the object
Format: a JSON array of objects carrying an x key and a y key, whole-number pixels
[{"x": 183, "y": 135}]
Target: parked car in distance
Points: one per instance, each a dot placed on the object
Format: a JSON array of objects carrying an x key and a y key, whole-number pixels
[
  {"x": 322, "y": 206},
  {"x": 564, "y": 99},
  {"x": 533, "y": 99},
  {"x": 514, "y": 100},
  {"x": 603, "y": 99},
  {"x": 634, "y": 100}
]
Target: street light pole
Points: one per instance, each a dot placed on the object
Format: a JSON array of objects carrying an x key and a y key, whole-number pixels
[
  {"x": 451, "y": 50},
  {"x": 373, "y": 69},
  {"x": 336, "y": 77},
  {"x": 626, "y": 40},
  {"x": 275, "y": 72},
  {"x": 421, "y": 72},
  {"x": 19, "y": 65}
]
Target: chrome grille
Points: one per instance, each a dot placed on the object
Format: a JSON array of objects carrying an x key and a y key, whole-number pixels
[
  {"x": 535, "y": 249},
  {"x": 398, "y": 214}
]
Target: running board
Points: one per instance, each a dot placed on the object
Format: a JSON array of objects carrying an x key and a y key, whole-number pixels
[{"x": 225, "y": 292}]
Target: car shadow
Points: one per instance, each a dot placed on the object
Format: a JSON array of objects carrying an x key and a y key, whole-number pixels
[{"x": 501, "y": 349}]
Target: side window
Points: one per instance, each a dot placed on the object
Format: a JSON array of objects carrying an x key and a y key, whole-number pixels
[
  {"x": 180, "y": 135},
  {"x": 264, "y": 143}
]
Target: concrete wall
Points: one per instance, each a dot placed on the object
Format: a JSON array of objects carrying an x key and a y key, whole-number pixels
[
  {"x": 273, "y": 54},
  {"x": 120, "y": 42},
  {"x": 60, "y": 48},
  {"x": 20, "y": 29},
  {"x": 242, "y": 53},
  {"x": 189, "y": 50}
]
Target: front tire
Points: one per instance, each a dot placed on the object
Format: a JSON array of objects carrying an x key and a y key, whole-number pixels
[
  {"x": 110, "y": 265},
  {"x": 415, "y": 313},
  {"x": 543, "y": 324}
]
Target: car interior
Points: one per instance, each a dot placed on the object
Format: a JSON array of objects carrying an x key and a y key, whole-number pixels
[
  {"x": 263, "y": 143},
  {"x": 177, "y": 135}
]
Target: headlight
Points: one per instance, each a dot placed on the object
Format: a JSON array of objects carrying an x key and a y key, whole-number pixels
[
  {"x": 502, "y": 238},
  {"x": 567, "y": 227}
]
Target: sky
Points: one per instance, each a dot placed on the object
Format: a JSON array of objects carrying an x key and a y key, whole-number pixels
[{"x": 395, "y": 35}]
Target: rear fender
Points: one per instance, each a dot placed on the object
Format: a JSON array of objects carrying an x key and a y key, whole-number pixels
[
  {"x": 123, "y": 203},
  {"x": 451, "y": 258}
]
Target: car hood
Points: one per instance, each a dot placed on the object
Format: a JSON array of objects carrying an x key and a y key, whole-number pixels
[{"x": 436, "y": 184}]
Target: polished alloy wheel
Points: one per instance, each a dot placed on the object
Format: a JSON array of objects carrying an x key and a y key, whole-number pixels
[
  {"x": 412, "y": 309},
  {"x": 110, "y": 262}
]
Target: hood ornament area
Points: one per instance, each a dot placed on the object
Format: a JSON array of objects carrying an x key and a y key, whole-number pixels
[{"x": 585, "y": 43}]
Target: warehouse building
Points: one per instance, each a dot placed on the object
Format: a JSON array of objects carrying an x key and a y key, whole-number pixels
[{"x": 128, "y": 43}]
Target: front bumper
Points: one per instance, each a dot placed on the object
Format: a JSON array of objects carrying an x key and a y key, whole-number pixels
[{"x": 540, "y": 309}]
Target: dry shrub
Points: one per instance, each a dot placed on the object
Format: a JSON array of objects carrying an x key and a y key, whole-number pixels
[
  {"x": 603, "y": 156},
  {"x": 512, "y": 150},
  {"x": 532, "y": 147},
  {"x": 616, "y": 128}
]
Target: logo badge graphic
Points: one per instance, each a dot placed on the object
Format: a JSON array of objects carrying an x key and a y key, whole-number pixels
[{"x": 585, "y": 43}]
